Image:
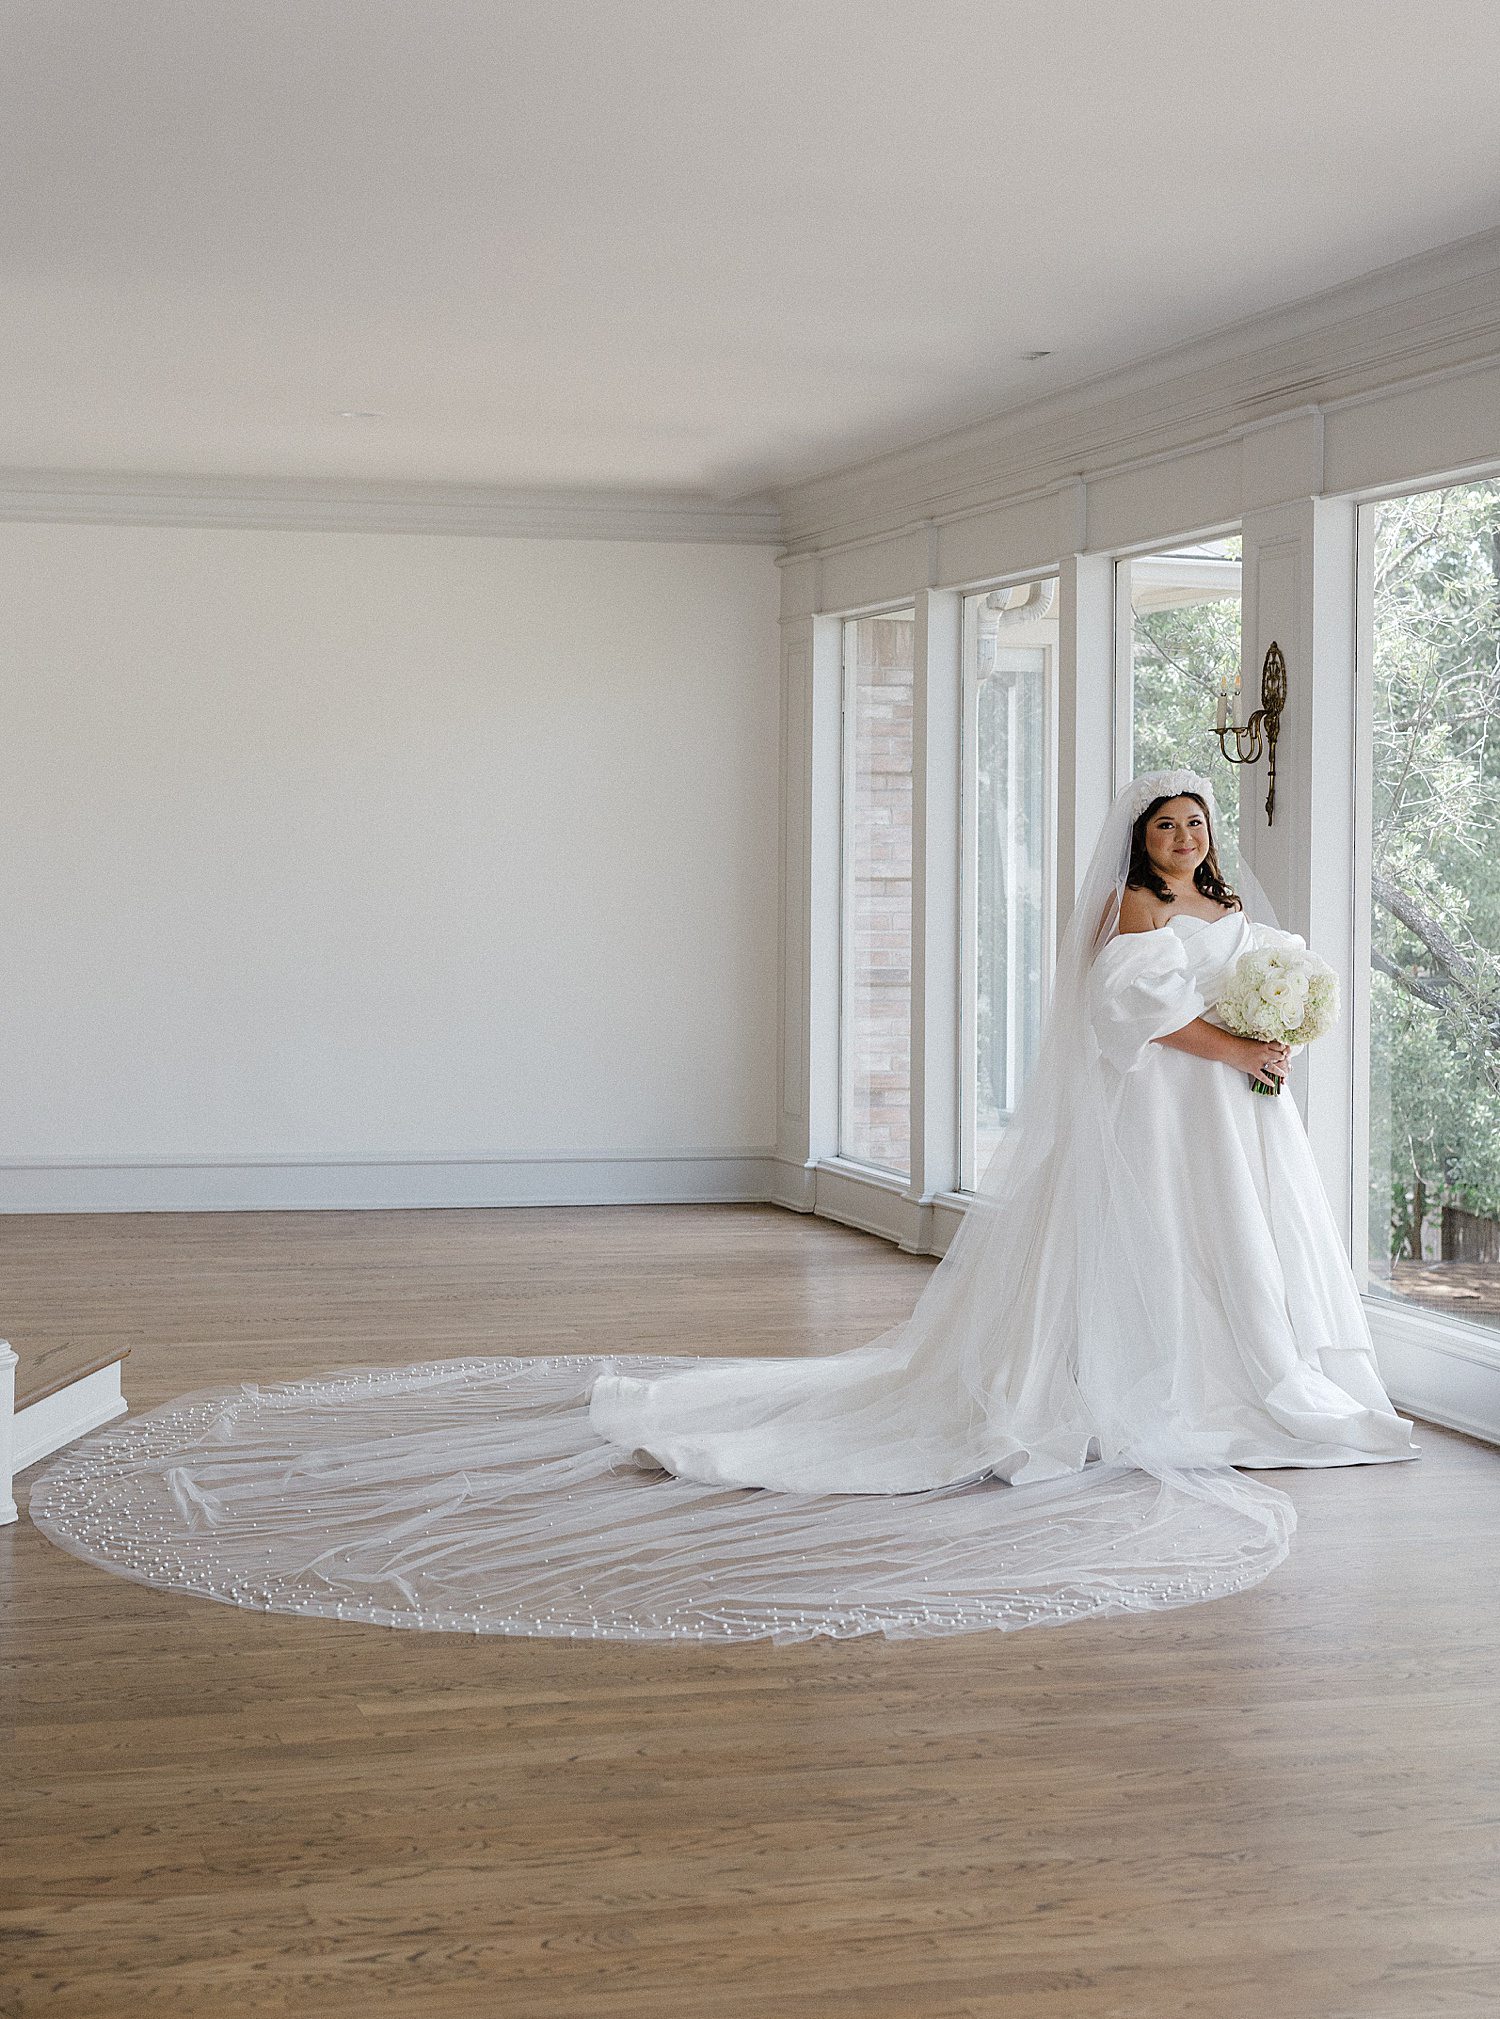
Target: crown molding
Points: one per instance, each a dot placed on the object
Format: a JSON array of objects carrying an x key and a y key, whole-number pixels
[
  {"x": 71, "y": 497},
  {"x": 1424, "y": 318},
  {"x": 1431, "y": 316}
]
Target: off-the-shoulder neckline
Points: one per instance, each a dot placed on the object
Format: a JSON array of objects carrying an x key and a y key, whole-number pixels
[{"x": 1180, "y": 918}]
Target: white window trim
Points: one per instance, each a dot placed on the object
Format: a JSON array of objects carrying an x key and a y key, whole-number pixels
[{"x": 965, "y": 955}]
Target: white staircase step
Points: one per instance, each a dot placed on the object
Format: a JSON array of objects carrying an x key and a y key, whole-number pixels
[{"x": 48, "y": 1398}]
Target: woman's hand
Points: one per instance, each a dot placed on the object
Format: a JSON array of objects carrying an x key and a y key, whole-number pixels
[
  {"x": 1260, "y": 1058},
  {"x": 1263, "y": 1059}
]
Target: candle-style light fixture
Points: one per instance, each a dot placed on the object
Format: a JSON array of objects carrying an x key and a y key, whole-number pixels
[{"x": 1264, "y": 726}]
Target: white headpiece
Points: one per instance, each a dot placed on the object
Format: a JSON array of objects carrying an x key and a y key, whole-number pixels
[{"x": 1166, "y": 785}]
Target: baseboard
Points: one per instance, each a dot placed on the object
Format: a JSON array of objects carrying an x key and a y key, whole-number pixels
[
  {"x": 793, "y": 1185},
  {"x": 312, "y": 1184},
  {"x": 1445, "y": 1373},
  {"x": 870, "y": 1201}
]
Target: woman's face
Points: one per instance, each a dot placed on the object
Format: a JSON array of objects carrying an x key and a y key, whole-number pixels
[{"x": 1177, "y": 837}]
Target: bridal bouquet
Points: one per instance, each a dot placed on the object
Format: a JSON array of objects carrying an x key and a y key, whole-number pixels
[{"x": 1281, "y": 993}]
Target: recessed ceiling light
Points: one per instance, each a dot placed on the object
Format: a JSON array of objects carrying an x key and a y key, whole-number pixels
[
  {"x": 1030, "y": 357},
  {"x": 359, "y": 414}
]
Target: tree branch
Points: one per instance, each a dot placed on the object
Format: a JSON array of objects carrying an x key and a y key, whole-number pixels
[
  {"x": 1396, "y": 561},
  {"x": 1205, "y": 681},
  {"x": 1430, "y": 992},
  {"x": 1420, "y": 922}
]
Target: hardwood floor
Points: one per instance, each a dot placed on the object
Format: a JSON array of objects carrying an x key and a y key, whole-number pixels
[{"x": 1285, "y": 1802}]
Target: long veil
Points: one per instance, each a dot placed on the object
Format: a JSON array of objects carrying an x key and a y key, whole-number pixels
[{"x": 1010, "y": 1455}]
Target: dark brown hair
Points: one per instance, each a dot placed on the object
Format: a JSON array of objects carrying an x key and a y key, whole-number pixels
[{"x": 1208, "y": 877}]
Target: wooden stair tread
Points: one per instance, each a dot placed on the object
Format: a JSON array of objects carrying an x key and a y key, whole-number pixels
[{"x": 42, "y": 1370}]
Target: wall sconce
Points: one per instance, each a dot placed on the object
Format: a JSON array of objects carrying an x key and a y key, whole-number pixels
[{"x": 1264, "y": 726}]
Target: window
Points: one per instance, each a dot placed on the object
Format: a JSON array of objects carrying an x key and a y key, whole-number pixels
[
  {"x": 1430, "y": 675},
  {"x": 1179, "y": 640},
  {"x": 1009, "y": 651},
  {"x": 875, "y": 924}
]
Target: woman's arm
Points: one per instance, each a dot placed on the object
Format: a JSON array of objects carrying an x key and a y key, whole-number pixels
[{"x": 1264, "y": 1060}]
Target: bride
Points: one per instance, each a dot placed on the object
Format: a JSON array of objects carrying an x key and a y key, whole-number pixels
[
  {"x": 1151, "y": 1270},
  {"x": 1147, "y": 1298}
]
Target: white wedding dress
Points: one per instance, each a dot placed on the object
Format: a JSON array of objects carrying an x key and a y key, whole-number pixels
[
  {"x": 1257, "y": 1352},
  {"x": 1147, "y": 1300}
]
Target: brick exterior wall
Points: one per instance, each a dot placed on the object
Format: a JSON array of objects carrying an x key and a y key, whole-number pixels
[{"x": 877, "y": 1007}]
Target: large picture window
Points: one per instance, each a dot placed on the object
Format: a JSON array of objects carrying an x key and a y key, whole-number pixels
[
  {"x": 1431, "y": 681},
  {"x": 875, "y": 925},
  {"x": 1009, "y": 652},
  {"x": 1179, "y": 646}
]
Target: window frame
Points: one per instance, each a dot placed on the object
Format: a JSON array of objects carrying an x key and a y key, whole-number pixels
[{"x": 966, "y": 951}]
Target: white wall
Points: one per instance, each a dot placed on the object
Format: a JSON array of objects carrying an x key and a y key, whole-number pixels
[{"x": 340, "y": 848}]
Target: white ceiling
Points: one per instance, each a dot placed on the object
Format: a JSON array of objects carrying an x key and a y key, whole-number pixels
[{"x": 701, "y": 245}]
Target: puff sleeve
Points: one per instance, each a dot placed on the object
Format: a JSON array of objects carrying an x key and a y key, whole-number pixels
[{"x": 1140, "y": 988}]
